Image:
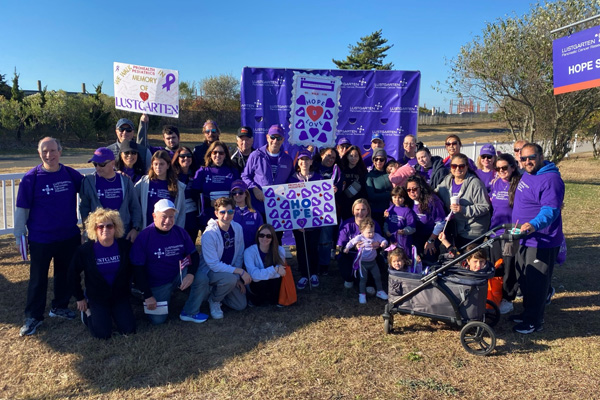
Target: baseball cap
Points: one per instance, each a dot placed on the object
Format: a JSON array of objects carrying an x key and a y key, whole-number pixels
[
  {"x": 125, "y": 121},
  {"x": 488, "y": 149},
  {"x": 377, "y": 136},
  {"x": 102, "y": 154},
  {"x": 129, "y": 146},
  {"x": 275, "y": 130},
  {"x": 380, "y": 153},
  {"x": 342, "y": 141},
  {"x": 244, "y": 131},
  {"x": 239, "y": 184},
  {"x": 163, "y": 205}
]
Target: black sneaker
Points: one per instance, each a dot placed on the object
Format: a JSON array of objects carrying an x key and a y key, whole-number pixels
[
  {"x": 549, "y": 298},
  {"x": 31, "y": 325},
  {"x": 62, "y": 313},
  {"x": 518, "y": 318},
  {"x": 526, "y": 329}
]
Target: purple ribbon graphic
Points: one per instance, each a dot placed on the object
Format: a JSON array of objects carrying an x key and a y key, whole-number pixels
[{"x": 169, "y": 81}]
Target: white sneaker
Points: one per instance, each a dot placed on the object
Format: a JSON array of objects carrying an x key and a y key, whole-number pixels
[
  {"x": 382, "y": 295},
  {"x": 215, "y": 309},
  {"x": 362, "y": 298},
  {"x": 506, "y": 306},
  {"x": 348, "y": 285},
  {"x": 370, "y": 290}
]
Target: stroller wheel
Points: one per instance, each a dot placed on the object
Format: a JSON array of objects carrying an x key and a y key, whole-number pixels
[
  {"x": 388, "y": 324},
  {"x": 492, "y": 313},
  {"x": 478, "y": 338}
]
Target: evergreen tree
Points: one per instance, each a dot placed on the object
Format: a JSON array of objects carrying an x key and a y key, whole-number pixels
[
  {"x": 4, "y": 88},
  {"x": 367, "y": 54},
  {"x": 16, "y": 93}
]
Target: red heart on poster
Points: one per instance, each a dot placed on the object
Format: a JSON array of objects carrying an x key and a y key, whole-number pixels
[
  {"x": 314, "y": 112},
  {"x": 144, "y": 96}
]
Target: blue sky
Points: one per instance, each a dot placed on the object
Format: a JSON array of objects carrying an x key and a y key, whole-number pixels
[{"x": 65, "y": 43}]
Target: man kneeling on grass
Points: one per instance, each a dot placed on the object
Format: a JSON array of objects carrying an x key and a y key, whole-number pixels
[
  {"x": 222, "y": 257},
  {"x": 167, "y": 259}
]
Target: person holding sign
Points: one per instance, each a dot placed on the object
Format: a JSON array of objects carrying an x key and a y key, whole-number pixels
[
  {"x": 104, "y": 261},
  {"x": 166, "y": 260},
  {"x": 266, "y": 166},
  {"x": 124, "y": 132},
  {"x": 129, "y": 162},
  {"x": 170, "y": 137},
  {"x": 307, "y": 240}
]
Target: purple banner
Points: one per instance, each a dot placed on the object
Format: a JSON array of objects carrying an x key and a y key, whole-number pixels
[
  {"x": 371, "y": 102},
  {"x": 576, "y": 61}
]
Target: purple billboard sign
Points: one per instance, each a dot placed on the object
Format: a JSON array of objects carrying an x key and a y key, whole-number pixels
[
  {"x": 385, "y": 102},
  {"x": 576, "y": 61}
]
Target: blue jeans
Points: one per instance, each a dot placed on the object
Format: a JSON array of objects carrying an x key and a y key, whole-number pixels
[
  {"x": 198, "y": 293},
  {"x": 325, "y": 245}
]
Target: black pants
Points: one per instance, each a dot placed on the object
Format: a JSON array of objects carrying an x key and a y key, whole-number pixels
[
  {"x": 265, "y": 292},
  {"x": 309, "y": 253},
  {"x": 506, "y": 250},
  {"x": 534, "y": 270},
  {"x": 41, "y": 254},
  {"x": 346, "y": 261},
  {"x": 100, "y": 322}
]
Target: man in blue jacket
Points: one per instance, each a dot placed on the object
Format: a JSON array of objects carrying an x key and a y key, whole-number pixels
[{"x": 538, "y": 201}]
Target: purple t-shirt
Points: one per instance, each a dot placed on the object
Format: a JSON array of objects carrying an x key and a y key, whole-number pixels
[
  {"x": 157, "y": 190},
  {"x": 160, "y": 253},
  {"x": 426, "y": 222},
  {"x": 51, "y": 198},
  {"x": 214, "y": 182},
  {"x": 502, "y": 213},
  {"x": 399, "y": 218},
  {"x": 349, "y": 229},
  {"x": 110, "y": 192},
  {"x": 228, "y": 245},
  {"x": 486, "y": 178},
  {"x": 250, "y": 222},
  {"x": 108, "y": 260},
  {"x": 456, "y": 188}
]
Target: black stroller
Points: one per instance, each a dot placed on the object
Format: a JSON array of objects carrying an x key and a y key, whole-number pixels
[{"x": 452, "y": 294}]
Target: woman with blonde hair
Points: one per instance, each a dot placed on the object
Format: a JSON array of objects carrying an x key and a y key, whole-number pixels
[{"x": 104, "y": 261}]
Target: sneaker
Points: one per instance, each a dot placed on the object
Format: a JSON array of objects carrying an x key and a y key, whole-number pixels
[
  {"x": 197, "y": 318},
  {"x": 332, "y": 254},
  {"x": 526, "y": 329},
  {"x": 301, "y": 284},
  {"x": 314, "y": 281},
  {"x": 348, "y": 285},
  {"x": 518, "y": 318},
  {"x": 362, "y": 298},
  {"x": 62, "y": 313},
  {"x": 370, "y": 290},
  {"x": 215, "y": 309},
  {"x": 31, "y": 325},
  {"x": 85, "y": 315},
  {"x": 382, "y": 295},
  {"x": 506, "y": 306},
  {"x": 549, "y": 298}
]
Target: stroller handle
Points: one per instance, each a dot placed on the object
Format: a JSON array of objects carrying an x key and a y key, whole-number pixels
[{"x": 507, "y": 235}]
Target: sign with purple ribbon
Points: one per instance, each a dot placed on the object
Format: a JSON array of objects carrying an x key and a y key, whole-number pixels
[
  {"x": 148, "y": 90},
  {"x": 300, "y": 205},
  {"x": 576, "y": 61},
  {"x": 315, "y": 101},
  {"x": 369, "y": 102}
]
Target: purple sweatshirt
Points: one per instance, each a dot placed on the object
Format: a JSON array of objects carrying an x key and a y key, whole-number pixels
[{"x": 502, "y": 212}]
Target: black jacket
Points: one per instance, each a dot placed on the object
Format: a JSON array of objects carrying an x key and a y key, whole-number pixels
[{"x": 439, "y": 171}]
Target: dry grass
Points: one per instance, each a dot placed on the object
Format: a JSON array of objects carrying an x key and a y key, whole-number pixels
[{"x": 325, "y": 347}]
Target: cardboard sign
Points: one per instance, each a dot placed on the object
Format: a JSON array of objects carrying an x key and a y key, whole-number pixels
[
  {"x": 300, "y": 205},
  {"x": 148, "y": 90}
]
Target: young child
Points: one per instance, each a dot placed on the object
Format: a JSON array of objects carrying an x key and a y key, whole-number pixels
[
  {"x": 476, "y": 262},
  {"x": 398, "y": 260},
  {"x": 401, "y": 220},
  {"x": 365, "y": 242},
  {"x": 398, "y": 174}
]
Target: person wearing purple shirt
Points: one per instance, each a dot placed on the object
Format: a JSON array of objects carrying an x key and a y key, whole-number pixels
[
  {"x": 104, "y": 261},
  {"x": 267, "y": 165},
  {"x": 166, "y": 259},
  {"x": 538, "y": 202},
  {"x": 129, "y": 162},
  {"x": 410, "y": 151},
  {"x": 245, "y": 215},
  {"x": 182, "y": 164},
  {"x": 486, "y": 164},
  {"x": 401, "y": 220},
  {"x": 453, "y": 146},
  {"x": 47, "y": 213}
]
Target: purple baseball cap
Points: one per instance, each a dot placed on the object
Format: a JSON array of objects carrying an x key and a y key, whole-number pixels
[
  {"x": 102, "y": 154},
  {"x": 488, "y": 149},
  {"x": 275, "y": 130},
  {"x": 239, "y": 184},
  {"x": 304, "y": 153},
  {"x": 342, "y": 141}
]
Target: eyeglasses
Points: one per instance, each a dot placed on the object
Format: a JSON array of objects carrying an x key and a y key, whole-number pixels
[
  {"x": 105, "y": 226},
  {"x": 276, "y": 138},
  {"x": 517, "y": 149},
  {"x": 412, "y": 190},
  {"x": 265, "y": 235},
  {"x": 238, "y": 193},
  {"x": 451, "y": 144},
  {"x": 228, "y": 212},
  {"x": 458, "y": 166},
  {"x": 125, "y": 130},
  {"x": 379, "y": 159},
  {"x": 531, "y": 157},
  {"x": 102, "y": 165},
  {"x": 486, "y": 157},
  {"x": 210, "y": 131},
  {"x": 218, "y": 153},
  {"x": 502, "y": 168},
  {"x": 129, "y": 153},
  {"x": 185, "y": 155}
]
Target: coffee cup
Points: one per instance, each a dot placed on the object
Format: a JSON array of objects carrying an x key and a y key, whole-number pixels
[{"x": 454, "y": 199}]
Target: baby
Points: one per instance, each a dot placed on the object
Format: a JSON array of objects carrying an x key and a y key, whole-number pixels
[{"x": 398, "y": 260}]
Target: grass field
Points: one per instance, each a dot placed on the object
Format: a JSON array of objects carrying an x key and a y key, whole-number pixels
[{"x": 325, "y": 347}]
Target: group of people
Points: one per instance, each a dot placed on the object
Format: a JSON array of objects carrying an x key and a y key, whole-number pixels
[{"x": 144, "y": 207}]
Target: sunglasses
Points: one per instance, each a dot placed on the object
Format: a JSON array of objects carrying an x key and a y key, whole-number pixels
[
  {"x": 210, "y": 131},
  {"x": 486, "y": 157},
  {"x": 105, "y": 226},
  {"x": 130, "y": 153},
  {"x": 228, "y": 212},
  {"x": 125, "y": 130},
  {"x": 451, "y": 143},
  {"x": 265, "y": 235},
  {"x": 531, "y": 157},
  {"x": 516, "y": 150},
  {"x": 379, "y": 159},
  {"x": 502, "y": 168},
  {"x": 104, "y": 164},
  {"x": 185, "y": 155},
  {"x": 238, "y": 193},
  {"x": 458, "y": 166},
  {"x": 218, "y": 153},
  {"x": 412, "y": 190},
  {"x": 277, "y": 138}
]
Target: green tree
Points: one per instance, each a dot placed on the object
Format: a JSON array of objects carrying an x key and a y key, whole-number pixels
[
  {"x": 510, "y": 64},
  {"x": 4, "y": 88},
  {"x": 368, "y": 53},
  {"x": 220, "y": 99},
  {"x": 16, "y": 93}
]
